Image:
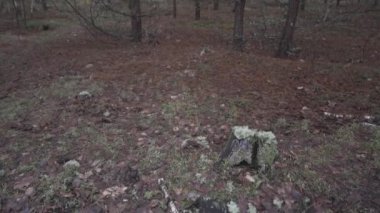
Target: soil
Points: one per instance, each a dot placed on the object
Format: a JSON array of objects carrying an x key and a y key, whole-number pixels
[{"x": 146, "y": 98}]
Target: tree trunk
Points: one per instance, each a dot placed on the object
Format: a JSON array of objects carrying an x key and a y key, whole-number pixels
[
  {"x": 44, "y": 5},
  {"x": 287, "y": 34},
  {"x": 337, "y": 3},
  {"x": 31, "y": 6},
  {"x": 23, "y": 12},
  {"x": 197, "y": 9},
  {"x": 216, "y": 4},
  {"x": 239, "y": 24},
  {"x": 302, "y": 5},
  {"x": 17, "y": 12},
  {"x": 134, "y": 6},
  {"x": 174, "y": 8}
]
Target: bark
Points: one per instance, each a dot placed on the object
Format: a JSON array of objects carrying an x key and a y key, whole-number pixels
[
  {"x": 23, "y": 12},
  {"x": 239, "y": 25},
  {"x": 216, "y": 4},
  {"x": 288, "y": 31},
  {"x": 197, "y": 9},
  {"x": 174, "y": 8},
  {"x": 17, "y": 12},
  {"x": 44, "y": 5},
  {"x": 31, "y": 6},
  {"x": 302, "y": 5},
  {"x": 134, "y": 6}
]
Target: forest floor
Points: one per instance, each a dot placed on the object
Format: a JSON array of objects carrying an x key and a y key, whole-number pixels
[{"x": 145, "y": 99}]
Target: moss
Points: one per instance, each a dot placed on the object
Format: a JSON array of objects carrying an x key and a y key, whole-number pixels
[
  {"x": 12, "y": 107},
  {"x": 242, "y": 132},
  {"x": 263, "y": 148},
  {"x": 70, "y": 86}
]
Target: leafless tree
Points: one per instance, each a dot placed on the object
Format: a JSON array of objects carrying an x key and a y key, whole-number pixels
[
  {"x": 216, "y": 4},
  {"x": 134, "y": 6},
  {"x": 44, "y": 5},
  {"x": 302, "y": 5},
  {"x": 174, "y": 8},
  {"x": 197, "y": 9},
  {"x": 238, "y": 32},
  {"x": 20, "y": 12},
  {"x": 288, "y": 31}
]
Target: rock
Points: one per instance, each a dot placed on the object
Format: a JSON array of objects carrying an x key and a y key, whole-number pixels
[
  {"x": 199, "y": 141},
  {"x": 249, "y": 178},
  {"x": 71, "y": 164},
  {"x": 88, "y": 66},
  {"x": 114, "y": 191},
  {"x": 96, "y": 163},
  {"x": 2, "y": 173},
  {"x": 84, "y": 94},
  {"x": 29, "y": 191},
  {"x": 254, "y": 147},
  {"x": 278, "y": 202},
  {"x": 107, "y": 113}
]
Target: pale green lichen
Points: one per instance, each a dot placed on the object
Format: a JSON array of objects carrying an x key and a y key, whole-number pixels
[
  {"x": 241, "y": 132},
  {"x": 252, "y": 145},
  {"x": 251, "y": 208},
  {"x": 233, "y": 207}
]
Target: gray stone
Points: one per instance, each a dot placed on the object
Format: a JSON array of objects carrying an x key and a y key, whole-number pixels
[
  {"x": 254, "y": 147},
  {"x": 71, "y": 164},
  {"x": 85, "y": 93},
  {"x": 29, "y": 191},
  {"x": 2, "y": 173}
]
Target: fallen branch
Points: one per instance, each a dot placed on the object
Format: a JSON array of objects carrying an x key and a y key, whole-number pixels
[{"x": 173, "y": 208}]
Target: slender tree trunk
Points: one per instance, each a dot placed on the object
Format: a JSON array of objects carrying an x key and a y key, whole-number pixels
[
  {"x": 197, "y": 9},
  {"x": 23, "y": 12},
  {"x": 17, "y": 12},
  {"x": 134, "y": 6},
  {"x": 302, "y": 5},
  {"x": 238, "y": 41},
  {"x": 174, "y": 8},
  {"x": 327, "y": 11},
  {"x": 31, "y": 6},
  {"x": 287, "y": 34},
  {"x": 337, "y": 3},
  {"x": 375, "y": 3},
  {"x": 216, "y": 4},
  {"x": 44, "y": 5}
]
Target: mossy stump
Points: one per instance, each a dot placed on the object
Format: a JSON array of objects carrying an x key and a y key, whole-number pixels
[{"x": 254, "y": 147}]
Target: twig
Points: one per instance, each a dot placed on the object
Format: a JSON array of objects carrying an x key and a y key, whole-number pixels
[{"x": 173, "y": 208}]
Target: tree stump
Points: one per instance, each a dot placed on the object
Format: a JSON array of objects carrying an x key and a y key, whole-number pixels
[{"x": 254, "y": 147}]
